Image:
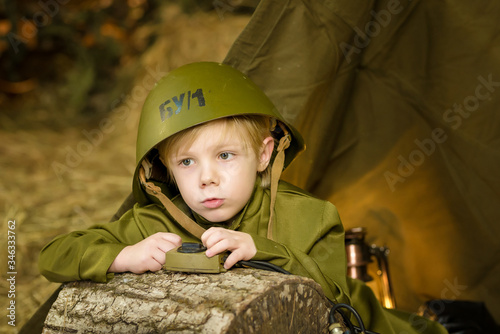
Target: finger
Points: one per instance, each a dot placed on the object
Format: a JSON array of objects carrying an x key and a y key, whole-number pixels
[
  {"x": 166, "y": 246},
  {"x": 217, "y": 248},
  {"x": 206, "y": 235},
  {"x": 159, "y": 256},
  {"x": 232, "y": 259},
  {"x": 149, "y": 264},
  {"x": 171, "y": 237},
  {"x": 217, "y": 236},
  {"x": 210, "y": 236},
  {"x": 154, "y": 265}
]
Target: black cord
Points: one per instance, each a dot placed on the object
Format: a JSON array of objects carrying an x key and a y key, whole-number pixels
[
  {"x": 264, "y": 266},
  {"x": 347, "y": 322},
  {"x": 350, "y": 308},
  {"x": 354, "y": 329}
]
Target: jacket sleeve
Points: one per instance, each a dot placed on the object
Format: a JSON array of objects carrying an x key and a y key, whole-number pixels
[
  {"x": 309, "y": 241},
  {"x": 88, "y": 254}
]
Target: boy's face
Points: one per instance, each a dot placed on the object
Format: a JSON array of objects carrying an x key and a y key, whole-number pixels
[{"x": 217, "y": 173}]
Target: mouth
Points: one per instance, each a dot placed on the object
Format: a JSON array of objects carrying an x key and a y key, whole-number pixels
[{"x": 213, "y": 203}]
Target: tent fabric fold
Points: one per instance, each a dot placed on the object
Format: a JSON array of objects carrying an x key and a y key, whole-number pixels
[{"x": 398, "y": 103}]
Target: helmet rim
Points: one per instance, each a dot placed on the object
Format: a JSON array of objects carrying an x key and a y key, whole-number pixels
[{"x": 197, "y": 93}]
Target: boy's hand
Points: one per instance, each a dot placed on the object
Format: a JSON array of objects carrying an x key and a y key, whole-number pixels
[
  {"x": 148, "y": 254},
  {"x": 240, "y": 244}
]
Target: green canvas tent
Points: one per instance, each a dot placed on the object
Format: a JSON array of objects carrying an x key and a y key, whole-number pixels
[{"x": 398, "y": 101}]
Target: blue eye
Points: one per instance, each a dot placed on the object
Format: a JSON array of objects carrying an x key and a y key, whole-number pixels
[{"x": 225, "y": 155}]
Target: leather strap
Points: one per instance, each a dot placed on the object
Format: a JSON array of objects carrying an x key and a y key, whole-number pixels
[
  {"x": 276, "y": 170},
  {"x": 187, "y": 223},
  {"x": 191, "y": 226}
]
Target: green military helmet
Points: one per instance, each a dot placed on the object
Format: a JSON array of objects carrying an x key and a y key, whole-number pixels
[{"x": 197, "y": 93}]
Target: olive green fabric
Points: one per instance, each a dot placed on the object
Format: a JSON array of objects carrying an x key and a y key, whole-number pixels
[
  {"x": 398, "y": 104},
  {"x": 309, "y": 241},
  {"x": 301, "y": 248}
]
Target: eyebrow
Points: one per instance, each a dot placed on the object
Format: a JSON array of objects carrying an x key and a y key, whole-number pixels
[{"x": 220, "y": 148}]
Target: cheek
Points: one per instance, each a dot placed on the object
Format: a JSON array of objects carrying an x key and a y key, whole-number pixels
[
  {"x": 228, "y": 171},
  {"x": 184, "y": 182},
  {"x": 238, "y": 172},
  {"x": 240, "y": 179},
  {"x": 188, "y": 192}
]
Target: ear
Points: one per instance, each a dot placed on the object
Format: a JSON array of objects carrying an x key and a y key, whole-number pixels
[{"x": 265, "y": 153}]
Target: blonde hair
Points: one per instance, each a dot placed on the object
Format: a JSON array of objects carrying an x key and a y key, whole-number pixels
[{"x": 251, "y": 129}]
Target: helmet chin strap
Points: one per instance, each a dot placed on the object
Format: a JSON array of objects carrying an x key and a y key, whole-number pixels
[
  {"x": 190, "y": 225},
  {"x": 187, "y": 223},
  {"x": 276, "y": 169}
]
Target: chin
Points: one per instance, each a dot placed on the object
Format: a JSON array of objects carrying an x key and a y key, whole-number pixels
[{"x": 217, "y": 218}]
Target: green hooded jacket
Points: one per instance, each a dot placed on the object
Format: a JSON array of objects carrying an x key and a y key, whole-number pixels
[{"x": 308, "y": 241}]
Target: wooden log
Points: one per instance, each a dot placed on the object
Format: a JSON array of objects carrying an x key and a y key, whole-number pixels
[{"x": 238, "y": 301}]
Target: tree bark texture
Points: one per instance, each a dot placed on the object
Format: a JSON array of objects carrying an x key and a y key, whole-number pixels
[{"x": 238, "y": 301}]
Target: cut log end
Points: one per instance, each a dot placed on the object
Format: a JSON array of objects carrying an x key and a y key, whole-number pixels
[{"x": 238, "y": 301}]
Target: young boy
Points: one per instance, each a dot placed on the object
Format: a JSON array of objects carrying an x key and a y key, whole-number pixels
[{"x": 210, "y": 151}]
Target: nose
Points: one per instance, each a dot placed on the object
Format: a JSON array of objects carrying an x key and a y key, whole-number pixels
[{"x": 209, "y": 175}]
